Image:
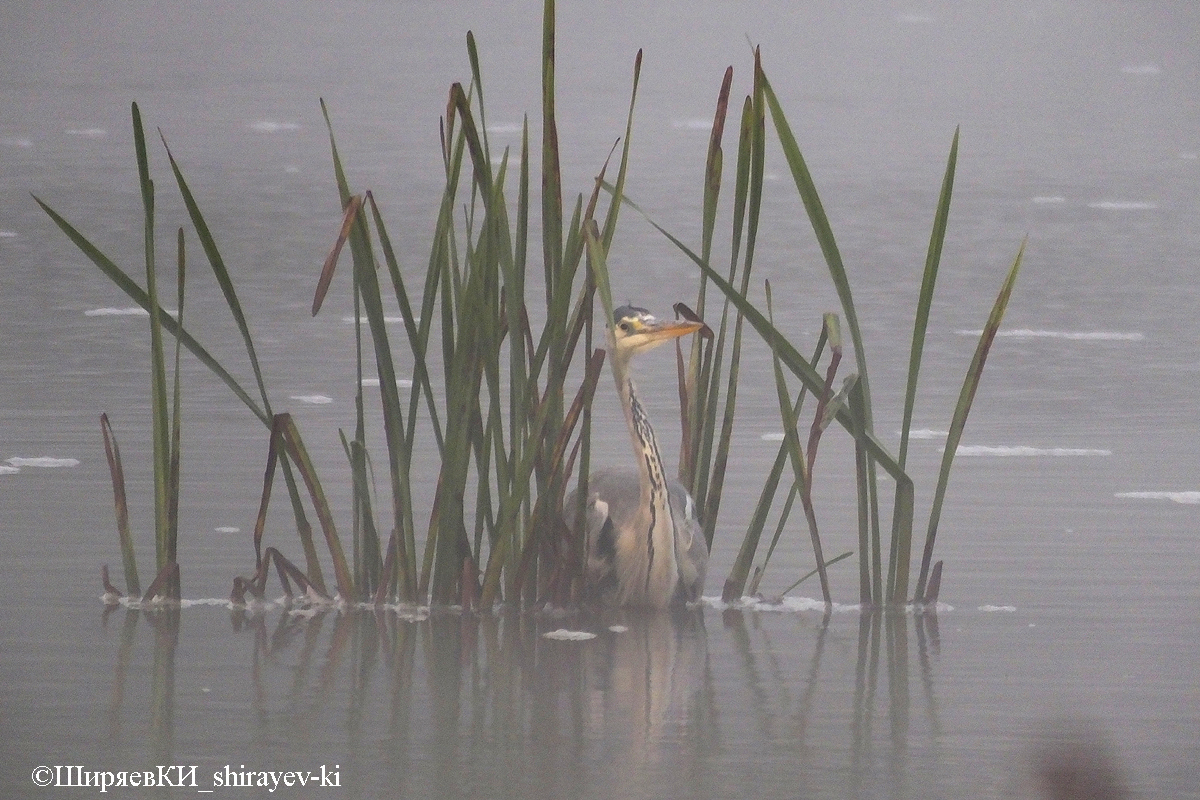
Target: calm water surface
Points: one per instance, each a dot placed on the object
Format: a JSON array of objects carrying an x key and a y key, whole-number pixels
[{"x": 1072, "y": 590}]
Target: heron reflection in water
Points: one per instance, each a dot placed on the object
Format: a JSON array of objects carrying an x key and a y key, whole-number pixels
[{"x": 644, "y": 544}]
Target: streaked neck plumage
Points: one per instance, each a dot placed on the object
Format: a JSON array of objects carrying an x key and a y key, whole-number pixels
[{"x": 648, "y": 577}]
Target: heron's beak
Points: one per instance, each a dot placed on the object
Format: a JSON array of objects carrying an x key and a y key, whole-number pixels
[{"x": 658, "y": 332}]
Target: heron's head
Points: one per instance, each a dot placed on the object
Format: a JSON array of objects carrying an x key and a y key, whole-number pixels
[{"x": 636, "y": 329}]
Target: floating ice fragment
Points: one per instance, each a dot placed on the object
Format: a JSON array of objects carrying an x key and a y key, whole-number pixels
[
  {"x": 8, "y": 234},
  {"x": 7, "y": 470},
  {"x": 505, "y": 127},
  {"x": 618, "y": 628},
  {"x": 1025, "y": 450},
  {"x": 87, "y": 133},
  {"x": 403, "y": 383},
  {"x": 386, "y": 319},
  {"x": 564, "y": 635},
  {"x": 313, "y": 399},
  {"x": 14, "y": 141},
  {"x": 1075, "y": 336},
  {"x": 926, "y": 433},
  {"x": 1186, "y": 498},
  {"x": 271, "y": 126},
  {"x": 992, "y": 609},
  {"x": 1049, "y": 200},
  {"x": 1189, "y": 156},
  {"x": 45, "y": 462},
  {"x": 227, "y": 529},
  {"x": 775, "y": 436},
  {"x": 1141, "y": 69}
]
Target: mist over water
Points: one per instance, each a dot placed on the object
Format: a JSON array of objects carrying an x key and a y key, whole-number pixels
[{"x": 1070, "y": 528}]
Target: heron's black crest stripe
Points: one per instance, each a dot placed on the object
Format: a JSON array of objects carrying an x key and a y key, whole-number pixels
[{"x": 628, "y": 311}]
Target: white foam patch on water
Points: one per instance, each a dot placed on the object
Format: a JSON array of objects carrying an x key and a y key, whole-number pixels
[
  {"x": 227, "y": 529},
  {"x": 43, "y": 462},
  {"x": 1049, "y": 200},
  {"x": 775, "y": 436},
  {"x": 995, "y": 609},
  {"x": 16, "y": 141},
  {"x": 1141, "y": 69},
  {"x": 1073, "y": 336},
  {"x": 926, "y": 433},
  {"x": 7, "y": 470},
  {"x": 8, "y": 234},
  {"x": 505, "y": 127},
  {"x": 128, "y": 311},
  {"x": 1186, "y": 498},
  {"x": 564, "y": 635},
  {"x": 1020, "y": 450},
  {"x": 1189, "y": 155},
  {"x": 403, "y": 383},
  {"x": 273, "y": 126},
  {"x": 87, "y": 133},
  {"x": 914, "y": 18},
  {"x": 618, "y": 628},
  {"x": 1124, "y": 205},
  {"x": 136, "y": 311},
  {"x": 313, "y": 399}
]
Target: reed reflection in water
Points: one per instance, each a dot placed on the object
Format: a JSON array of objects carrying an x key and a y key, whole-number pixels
[{"x": 450, "y": 705}]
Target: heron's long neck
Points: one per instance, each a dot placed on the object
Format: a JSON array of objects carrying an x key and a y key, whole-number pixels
[{"x": 655, "y": 523}]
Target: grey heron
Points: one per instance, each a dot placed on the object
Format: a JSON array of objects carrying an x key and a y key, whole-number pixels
[{"x": 643, "y": 543}]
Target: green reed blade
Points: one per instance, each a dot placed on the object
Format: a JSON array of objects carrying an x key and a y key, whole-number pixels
[
  {"x": 821, "y": 227},
  {"x": 160, "y": 417},
  {"x": 868, "y": 547},
  {"x": 761, "y": 569},
  {"x": 736, "y": 582},
  {"x": 221, "y": 273},
  {"x": 810, "y": 573},
  {"x": 176, "y": 419},
  {"x": 139, "y": 296},
  {"x": 921, "y": 320},
  {"x": 299, "y": 455},
  {"x": 699, "y": 361},
  {"x": 962, "y": 409},
  {"x": 552, "y": 230},
  {"x": 418, "y": 334},
  {"x": 477, "y": 84},
  {"x": 837, "y": 271},
  {"x": 610, "y": 221},
  {"x": 112, "y": 452},
  {"x": 801, "y": 469}
]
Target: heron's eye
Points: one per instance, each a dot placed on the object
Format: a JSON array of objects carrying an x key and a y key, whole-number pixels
[{"x": 624, "y": 326}]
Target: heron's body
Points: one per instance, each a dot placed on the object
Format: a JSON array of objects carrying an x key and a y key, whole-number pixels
[{"x": 644, "y": 544}]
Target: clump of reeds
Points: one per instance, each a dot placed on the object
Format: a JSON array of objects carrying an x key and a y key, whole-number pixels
[{"x": 512, "y": 427}]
